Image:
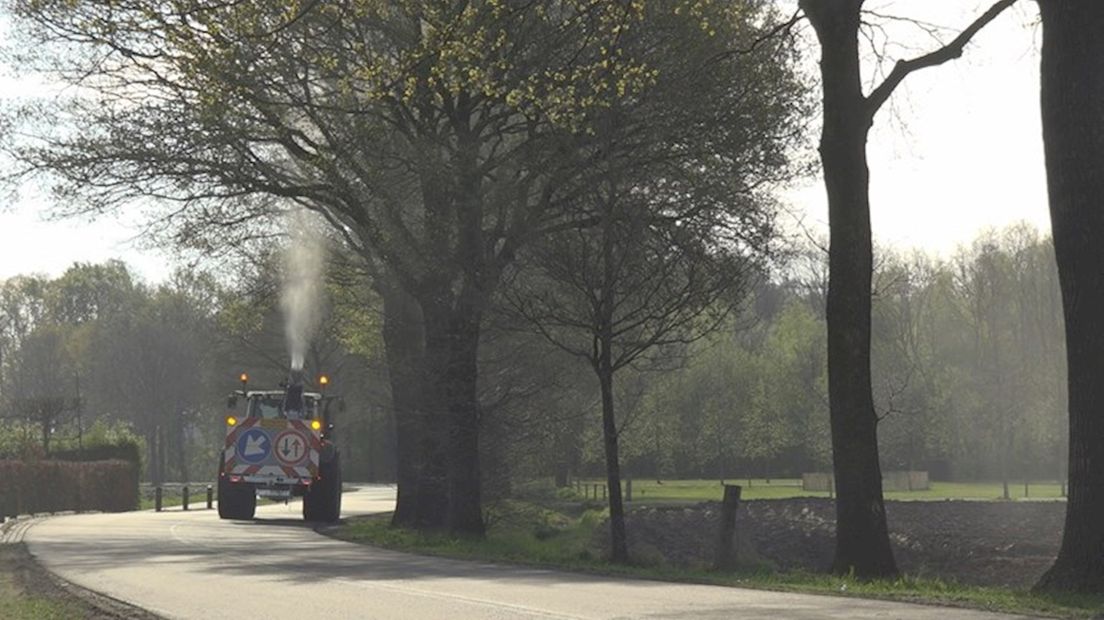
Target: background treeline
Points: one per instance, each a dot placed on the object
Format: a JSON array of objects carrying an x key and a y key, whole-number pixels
[
  {"x": 968, "y": 366},
  {"x": 97, "y": 357}
]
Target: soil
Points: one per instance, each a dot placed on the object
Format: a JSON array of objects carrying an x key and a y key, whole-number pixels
[{"x": 981, "y": 543}]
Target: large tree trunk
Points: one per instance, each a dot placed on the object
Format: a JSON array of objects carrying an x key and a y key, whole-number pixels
[
  {"x": 862, "y": 536},
  {"x": 403, "y": 340},
  {"x": 465, "y": 508},
  {"x": 451, "y": 345},
  {"x": 1073, "y": 137}
]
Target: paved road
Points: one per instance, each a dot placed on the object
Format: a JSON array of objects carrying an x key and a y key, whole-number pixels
[{"x": 192, "y": 565}]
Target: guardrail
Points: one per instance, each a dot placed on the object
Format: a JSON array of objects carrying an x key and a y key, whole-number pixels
[{"x": 159, "y": 496}]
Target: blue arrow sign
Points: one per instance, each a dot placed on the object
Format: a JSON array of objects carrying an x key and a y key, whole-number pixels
[{"x": 253, "y": 446}]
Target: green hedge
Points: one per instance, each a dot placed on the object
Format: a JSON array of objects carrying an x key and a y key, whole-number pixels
[
  {"x": 123, "y": 451},
  {"x": 53, "y": 486}
]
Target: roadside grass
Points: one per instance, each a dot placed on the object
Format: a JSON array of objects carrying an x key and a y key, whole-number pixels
[
  {"x": 525, "y": 533},
  {"x": 19, "y": 600},
  {"x": 673, "y": 491},
  {"x": 518, "y": 532}
]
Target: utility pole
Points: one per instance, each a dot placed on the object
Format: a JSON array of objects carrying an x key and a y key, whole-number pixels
[{"x": 79, "y": 406}]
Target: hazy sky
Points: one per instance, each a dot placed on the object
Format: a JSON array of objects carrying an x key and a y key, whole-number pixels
[{"x": 957, "y": 150}]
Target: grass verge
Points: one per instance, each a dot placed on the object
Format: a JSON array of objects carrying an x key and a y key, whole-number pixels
[
  {"x": 524, "y": 533},
  {"x": 28, "y": 593}
]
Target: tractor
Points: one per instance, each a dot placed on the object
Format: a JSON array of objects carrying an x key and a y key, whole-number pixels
[{"x": 280, "y": 446}]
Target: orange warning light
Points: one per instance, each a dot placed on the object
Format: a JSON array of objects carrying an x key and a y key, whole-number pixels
[
  {"x": 316, "y": 425},
  {"x": 231, "y": 420},
  {"x": 323, "y": 380}
]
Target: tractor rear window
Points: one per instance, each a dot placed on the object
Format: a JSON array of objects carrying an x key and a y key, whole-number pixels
[
  {"x": 271, "y": 407},
  {"x": 265, "y": 408}
]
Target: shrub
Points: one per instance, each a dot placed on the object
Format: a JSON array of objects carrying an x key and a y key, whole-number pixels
[{"x": 53, "y": 486}]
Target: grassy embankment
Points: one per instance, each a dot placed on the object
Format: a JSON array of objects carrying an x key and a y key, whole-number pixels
[
  {"x": 25, "y": 596},
  {"x": 562, "y": 534}
]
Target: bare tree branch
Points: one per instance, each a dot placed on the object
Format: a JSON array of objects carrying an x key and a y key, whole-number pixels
[{"x": 948, "y": 52}]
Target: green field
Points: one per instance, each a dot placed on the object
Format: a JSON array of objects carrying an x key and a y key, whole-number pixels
[{"x": 672, "y": 491}]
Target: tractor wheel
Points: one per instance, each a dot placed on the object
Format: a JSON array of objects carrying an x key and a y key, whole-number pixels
[
  {"x": 323, "y": 501},
  {"x": 236, "y": 501}
]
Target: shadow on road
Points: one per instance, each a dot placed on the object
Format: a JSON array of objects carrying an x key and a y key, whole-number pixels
[{"x": 280, "y": 549}]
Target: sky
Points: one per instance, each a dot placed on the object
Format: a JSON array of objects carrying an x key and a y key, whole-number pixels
[
  {"x": 957, "y": 150},
  {"x": 959, "y": 147}
]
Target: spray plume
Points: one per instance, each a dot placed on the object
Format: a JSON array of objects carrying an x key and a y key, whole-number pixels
[{"x": 300, "y": 298}]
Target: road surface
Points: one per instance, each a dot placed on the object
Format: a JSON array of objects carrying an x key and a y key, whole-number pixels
[{"x": 192, "y": 565}]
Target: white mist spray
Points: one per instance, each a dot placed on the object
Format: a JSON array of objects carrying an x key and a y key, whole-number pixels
[{"x": 301, "y": 299}]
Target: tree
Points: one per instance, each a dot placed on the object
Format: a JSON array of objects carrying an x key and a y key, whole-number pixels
[
  {"x": 86, "y": 292},
  {"x": 671, "y": 226},
  {"x": 862, "y": 535},
  {"x": 425, "y": 132},
  {"x": 612, "y": 295},
  {"x": 39, "y": 387},
  {"x": 1073, "y": 140},
  {"x": 147, "y": 364}
]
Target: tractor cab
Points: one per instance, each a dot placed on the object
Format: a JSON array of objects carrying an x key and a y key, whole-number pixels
[{"x": 270, "y": 404}]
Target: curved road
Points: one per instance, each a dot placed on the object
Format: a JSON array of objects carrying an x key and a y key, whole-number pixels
[{"x": 192, "y": 565}]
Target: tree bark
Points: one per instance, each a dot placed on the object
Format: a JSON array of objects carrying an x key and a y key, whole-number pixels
[
  {"x": 619, "y": 547},
  {"x": 403, "y": 340},
  {"x": 1073, "y": 139},
  {"x": 603, "y": 365},
  {"x": 465, "y": 509},
  {"x": 862, "y": 535},
  {"x": 451, "y": 341}
]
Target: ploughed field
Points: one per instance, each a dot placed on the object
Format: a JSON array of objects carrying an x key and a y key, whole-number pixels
[{"x": 992, "y": 543}]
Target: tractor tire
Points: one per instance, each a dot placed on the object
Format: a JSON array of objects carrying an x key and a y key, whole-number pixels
[
  {"x": 323, "y": 501},
  {"x": 236, "y": 501}
]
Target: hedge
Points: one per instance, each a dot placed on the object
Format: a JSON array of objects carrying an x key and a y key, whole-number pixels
[
  {"x": 128, "y": 451},
  {"x": 53, "y": 486},
  {"x": 124, "y": 451}
]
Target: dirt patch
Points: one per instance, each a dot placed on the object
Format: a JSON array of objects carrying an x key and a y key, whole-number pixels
[
  {"x": 979, "y": 543},
  {"x": 33, "y": 582}
]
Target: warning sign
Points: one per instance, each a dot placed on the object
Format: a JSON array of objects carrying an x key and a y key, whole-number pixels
[
  {"x": 253, "y": 446},
  {"x": 291, "y": 448}
]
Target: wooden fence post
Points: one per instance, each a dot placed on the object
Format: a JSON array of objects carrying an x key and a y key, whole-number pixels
[{"x": 725, "y": 557}]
